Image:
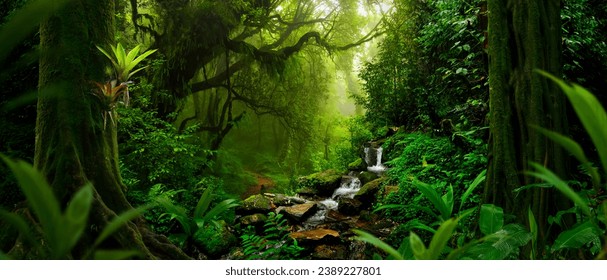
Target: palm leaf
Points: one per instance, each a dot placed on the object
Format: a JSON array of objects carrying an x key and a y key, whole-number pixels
[
  {"x": 371, "y": 239},
  {"x": 577, "y": 237}
]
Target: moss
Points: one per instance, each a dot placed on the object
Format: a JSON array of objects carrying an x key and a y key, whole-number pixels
[
  {"x": 321, "y": 183},
  {"x": 216, "y": 240}
]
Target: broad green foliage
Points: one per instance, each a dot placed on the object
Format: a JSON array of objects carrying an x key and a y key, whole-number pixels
[
  {"x": 60, "y": 231},
  {"x": 203, "y": 214},
  {"x": 591, "y": 226},
  {"x": 273, "y": 243},
  {"x": 124, "y": 62}
]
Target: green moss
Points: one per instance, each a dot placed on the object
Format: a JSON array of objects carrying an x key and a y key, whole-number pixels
[{"x": 322, "y": 183}]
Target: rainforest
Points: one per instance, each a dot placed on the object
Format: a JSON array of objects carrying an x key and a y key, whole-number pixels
[{"x": 303, "y": 129}]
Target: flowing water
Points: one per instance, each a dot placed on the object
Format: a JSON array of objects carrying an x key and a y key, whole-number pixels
[{"x": 350, "y": 185}]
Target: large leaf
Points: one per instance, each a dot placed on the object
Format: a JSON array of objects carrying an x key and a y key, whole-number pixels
[
  {"x": 441, "y": 238},
  {"x": 74, "y": 221},
  {"x": 477, "y": 181},
  {"x": 369, "y": 238},
  {"x": 431, "y": 194},
  {"x": 591, "y": 114},
  {"x": 577, "y": 237},
  {"x": 548, "y": 176},
  {"x": 220, "y": 208},
  {"x": 499, "y": 245},
  {"x": 491, "y": 218},
  {"x": 203, "y": 204},
  {"x": 448, "y": 201},
  {"x": 39, "y": 195},
  {"x": 576, "y": 150},
  {"x": 534, "y": 230},
  {"x": 417, "y": 246}
]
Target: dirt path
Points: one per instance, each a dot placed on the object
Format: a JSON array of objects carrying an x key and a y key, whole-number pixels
[{"x": 262, "y": 181}]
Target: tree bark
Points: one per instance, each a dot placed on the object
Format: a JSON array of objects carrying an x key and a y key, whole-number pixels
[
  {"x": 73, "y": 146},
  {"x": 524, "y": 35}
]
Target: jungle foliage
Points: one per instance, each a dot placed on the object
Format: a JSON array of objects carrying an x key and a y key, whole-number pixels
[{"x": 202, "y": 103}]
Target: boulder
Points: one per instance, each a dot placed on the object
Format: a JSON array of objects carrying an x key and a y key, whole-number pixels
[
  {"x": 215, "y": 240},
  {"x": 367, "y": 192},
  {"x": 367, "y": 176},
  {"x": 357, "y": 165},
  {"x": 321, "y": 183},
  {"x": 319, "y": 236},
  {"x": 300, "y": 212},
  {"x": 283, "y": 200},
  {"x": 256, "y": 204},
  {"x": 349, "y": 206}
]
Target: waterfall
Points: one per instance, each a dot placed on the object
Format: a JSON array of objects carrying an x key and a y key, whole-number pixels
[{"x": 374, "y": 165}]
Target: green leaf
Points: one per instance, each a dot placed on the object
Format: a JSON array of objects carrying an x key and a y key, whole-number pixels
[
  {"x": 39, "y": 195},
  {"x": 477, "y": 181},
  {"x": 115, "y": 254},
  {"x": 430, "y": 193},
  {"x": 534, "y": 230},
  {"x": 120, "y": 221},
  {"x": 575, "y": 149},
  {"x": 419, "y": 225},
  {"x": 441, "y": 238},
  {"x": 577, "y": 237},
  {"x": 371, "y": 239},
  {"x": 74, "y": 220},
  {"x": 220, "y": 208},
  {"x": 547, "y": 175},
  {"x": 448, "y": 200},
  {"x": 417, "y": 246},
  {"x": 203, "y": 203},
  {"x": 491, "y": 218},
  {"x": 591, "y": 114}
]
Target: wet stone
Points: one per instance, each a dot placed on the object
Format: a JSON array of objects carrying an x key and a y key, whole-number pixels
[{"x": 300, "y": 212}]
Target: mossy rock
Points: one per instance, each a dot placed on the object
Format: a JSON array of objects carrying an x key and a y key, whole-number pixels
[
  {"x": 256, "y": 204},
  {"x": 367, "y": 192},
  {"x": 357, "y": 165},
  {"x": 322, "y": 183},
  {"x": 367, "y": 176},
  {"x": 215, "y": 240}
]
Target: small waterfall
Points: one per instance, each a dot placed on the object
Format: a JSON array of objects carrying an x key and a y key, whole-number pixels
[
  {"x": 373, "y": 159},
  {"x": 349, "y": 187}
]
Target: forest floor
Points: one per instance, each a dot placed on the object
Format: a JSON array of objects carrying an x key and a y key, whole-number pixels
[{"x": 263, "y": 182}]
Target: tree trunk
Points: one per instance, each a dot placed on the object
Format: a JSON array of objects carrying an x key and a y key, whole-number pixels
[
  {"x": 524, "y": 35},
  {"x": 73, "y": 146}
]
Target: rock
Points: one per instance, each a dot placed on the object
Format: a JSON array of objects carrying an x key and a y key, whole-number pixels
[
  {"x": 215, "y": 240},
  {"x": 367, "y": 176},
  {"x": 357, "y": 165},
  {"x": 283, "y": 200},
  {"x": 329, "y": 252},
  {"x": 321, "y": 183},
  {"x": 300, "y": 212},
  {"x": 256, "y": 204},
  {"x": 256, "y": 219},
  {"x": 319, "y": 235},
  {"x": 349, "y": 206},
  {"x": 334, "y": 216},
  {"x": 367, "y": 192}
]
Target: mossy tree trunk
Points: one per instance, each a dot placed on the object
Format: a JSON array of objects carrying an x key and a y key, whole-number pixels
[
  {"x": 73, "y": 146},
  {"x": 524, "y": 35}
]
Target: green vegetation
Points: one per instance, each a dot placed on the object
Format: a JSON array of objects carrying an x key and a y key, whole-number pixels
[{"x": 303, "y": 129}]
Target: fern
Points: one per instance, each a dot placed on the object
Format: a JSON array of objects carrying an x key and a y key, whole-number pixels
[{"x": 274, "y": 244}]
